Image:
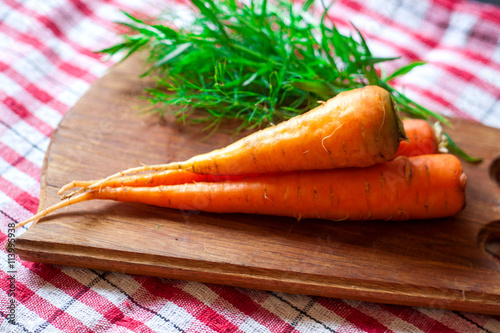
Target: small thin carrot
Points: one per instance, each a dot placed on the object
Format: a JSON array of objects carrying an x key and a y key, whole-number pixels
[
  {"x": 165, "y": 177},
  {"x": 357, "y": 128},
  {"x": 419, "y": 187}
]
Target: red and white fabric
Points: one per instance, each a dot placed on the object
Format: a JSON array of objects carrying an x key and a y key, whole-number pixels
[{"x": 47, "y": 63}]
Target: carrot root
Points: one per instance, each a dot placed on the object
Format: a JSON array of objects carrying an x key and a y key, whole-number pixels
[
  {"x": 420, "y": 187},
  {"x": 68, "y": 202}
]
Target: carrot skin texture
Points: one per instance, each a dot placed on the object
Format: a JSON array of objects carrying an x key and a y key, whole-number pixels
[
  {"x": 166, "y": 177},
  {"x": 420, "y": 187},
  {"x": 421, "y": 139},
  {"x": 357, "y": 128}
]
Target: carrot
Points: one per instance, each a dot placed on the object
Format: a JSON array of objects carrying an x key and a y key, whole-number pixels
[
  {"x": 357, "y": 128},
  {"x": 421, "y": 140},
  {"x": 419, "y": 187},
  {"x": 165, "y": 177}
]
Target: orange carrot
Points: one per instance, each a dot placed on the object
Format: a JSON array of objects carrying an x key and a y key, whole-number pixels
[
  {"x": 422, "y": 138},
  {"x": 420, "y": 187},
  {"x": 165, "y": 177},
  {"x": 357, "y": 128}
]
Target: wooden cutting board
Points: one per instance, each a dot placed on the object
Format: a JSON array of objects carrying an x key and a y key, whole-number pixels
[{"x": 433, "y": 263}]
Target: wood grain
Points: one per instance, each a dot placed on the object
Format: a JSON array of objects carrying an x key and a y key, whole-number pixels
[{"x": 432, "y": 263}]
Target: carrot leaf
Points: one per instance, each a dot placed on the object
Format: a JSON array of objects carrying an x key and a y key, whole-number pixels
[{"x": 404, "y": 70}]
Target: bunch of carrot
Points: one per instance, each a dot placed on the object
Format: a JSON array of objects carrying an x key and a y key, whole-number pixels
[{"x": 349, "y": 158}]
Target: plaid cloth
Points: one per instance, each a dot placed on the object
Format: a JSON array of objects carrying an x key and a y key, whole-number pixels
[{"x": 47, "y": 63}]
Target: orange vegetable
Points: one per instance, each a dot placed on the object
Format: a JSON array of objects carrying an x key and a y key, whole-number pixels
[
  {"x": 357, "y": 128},
  {"x": 422, "y": 139},
  {"x": 165, "y": 177},
  {"x": 420, "y": 187}
]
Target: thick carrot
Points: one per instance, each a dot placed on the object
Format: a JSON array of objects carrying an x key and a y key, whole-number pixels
[
  {"x": 421, "y": 140},
  {"x": 420, "y": 187},
  {"x": 357, "y": 128}
]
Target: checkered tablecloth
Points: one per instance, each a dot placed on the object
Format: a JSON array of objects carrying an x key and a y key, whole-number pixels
[{"x": 47, "y": 63}]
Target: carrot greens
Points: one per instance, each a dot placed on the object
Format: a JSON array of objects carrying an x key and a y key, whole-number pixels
[{"x": 259, "y": 62}]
